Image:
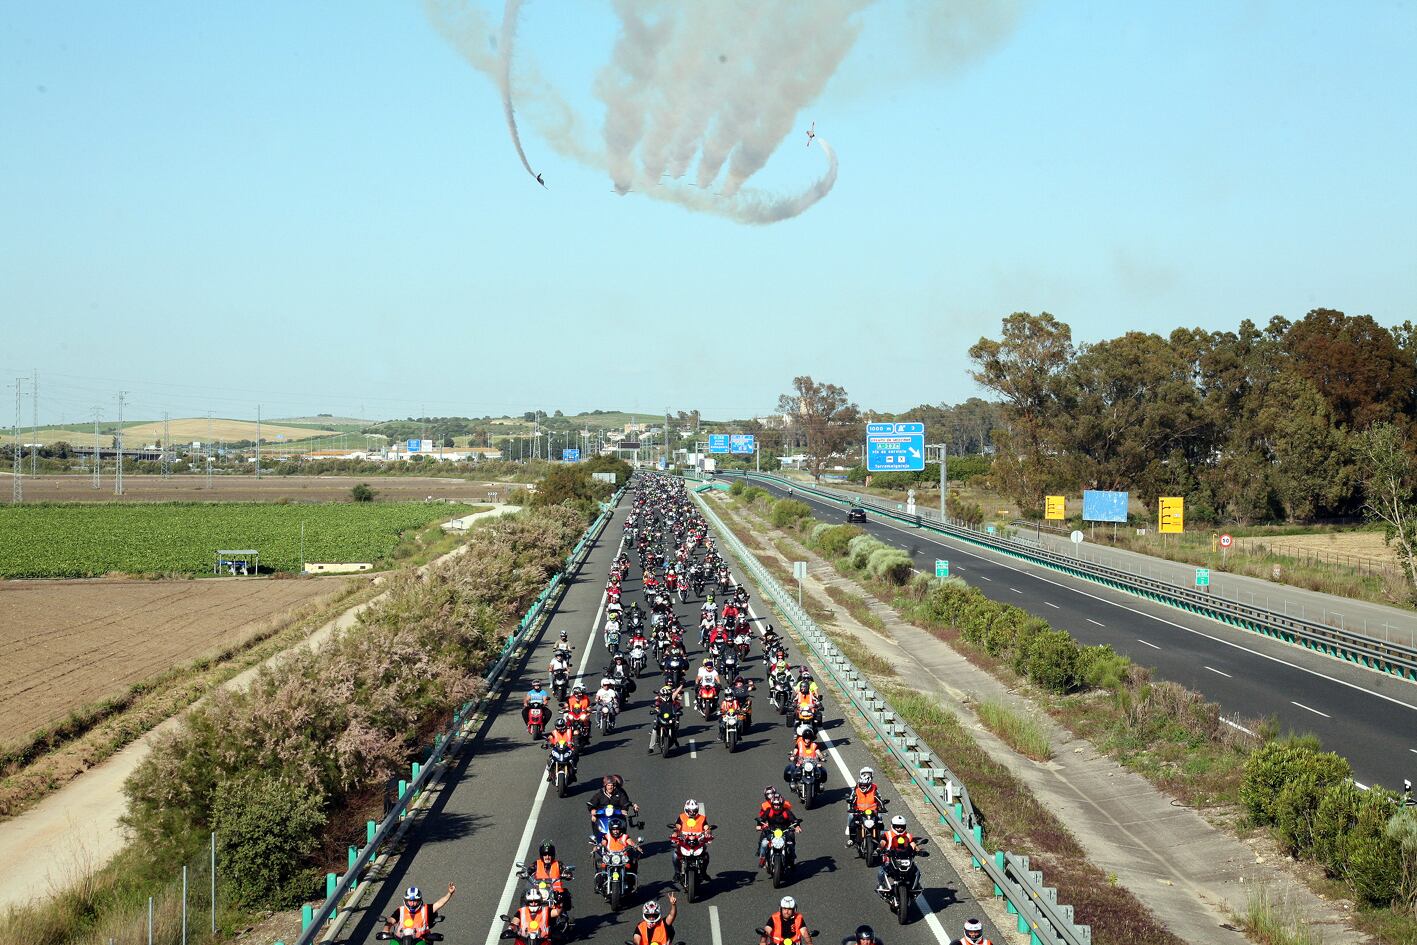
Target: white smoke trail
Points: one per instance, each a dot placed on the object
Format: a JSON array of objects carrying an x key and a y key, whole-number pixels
[{"x": 504, "y": 75}]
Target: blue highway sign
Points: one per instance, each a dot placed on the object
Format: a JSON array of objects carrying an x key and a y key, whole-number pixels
[
  {"x": 741, "y": 443},
  {"x": 571, "y": 455},
  {"x": 895, "y": 447},
  {"x": 718, "y": 442}
]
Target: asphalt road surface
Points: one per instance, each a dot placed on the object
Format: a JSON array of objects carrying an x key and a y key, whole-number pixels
[
  {"x": 495, "y": 811},
  {"x": 1368, "y": 718}
]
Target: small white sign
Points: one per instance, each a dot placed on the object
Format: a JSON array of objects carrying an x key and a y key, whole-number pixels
[
  {"x": 799, "y": 570},
  {"x": 1076, "y": 536}
]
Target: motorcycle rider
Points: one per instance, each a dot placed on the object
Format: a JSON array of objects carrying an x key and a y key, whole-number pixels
[
  {"x": 616, "y": 840},
  {"x": 537, "y": 695},
  {"x": 560, "y": 664},
  {"x": 561, "y": 737},
  {"x": 865, "y": 935},
  {"x": 665, "y": 700},
  {"x": 692, "y": 821},
  {"x": 654, "y": 930},
  {"x": 622, "y": 675},
  {"x": 784, "y": 924},
  {"x": 973, "y": 934},
  {"x": 607, "y": 695},
  {"x": 612, "y": 793},
  {"x": 707, "y": 672},
  {"x": 777, "y": 816},
  {"x": 804, "y": 748},
  {"x": 551, "y": 870},
  {"x": 416, "y": 915},
  {"x": 865, "y": 796},
  {"x": 534, "y": 914},
  {"x": 896, "y": 839}
]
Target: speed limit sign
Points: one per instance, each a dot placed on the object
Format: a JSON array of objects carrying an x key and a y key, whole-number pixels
[{"x": 1226, "y": 541}]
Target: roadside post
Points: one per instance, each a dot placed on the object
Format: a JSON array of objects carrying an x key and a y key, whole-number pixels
[
  {"x": 799, "y": 571},
  {"x": 1203, "y": 579},
  {"x": 942, "y": 568}
]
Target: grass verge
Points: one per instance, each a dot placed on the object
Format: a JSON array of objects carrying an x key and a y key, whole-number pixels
[
  {"x": 1268, "y": 921},
  {"x": 1018, "y": 731}
]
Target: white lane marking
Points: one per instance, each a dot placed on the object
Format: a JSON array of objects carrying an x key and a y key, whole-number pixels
[
  {"x": 983, "y": 578},
  {"x": 1360, "y": 785},
  {"x": 495, "y": 932},
  {"x": 1413, "y": 750},
  {"x": 1315, "y": 711},
  {"x": 1152, "y": 645},
  {"x": 1090, "y": 620},
  {"x": 1141, "y": 613},
  {"x": 1219, "y": 673},
  {"x": 1238, "y": 726},
  {"x": 714, "y": 930},
  {"x": 1051, "y": 604},
  {"x": 693, "y": 749},
  {"x": 1016, "y": 590},
  {"x": 932, "y": 920}
]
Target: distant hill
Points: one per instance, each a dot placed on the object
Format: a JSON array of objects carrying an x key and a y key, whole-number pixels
[{"x": 182, "y": 430}]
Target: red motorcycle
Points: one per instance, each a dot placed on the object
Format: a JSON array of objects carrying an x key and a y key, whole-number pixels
[{"x": 536, "y": 720}]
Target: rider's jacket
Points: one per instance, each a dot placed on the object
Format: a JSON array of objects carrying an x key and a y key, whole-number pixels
[
  {"x": 614, "y": 844},
  {"x": 534, "y": 919},
  {"x": 544, "y": 872},
  {"x": 865, "y": 800},
  {"x": 806, "y": 703},
  {"x": 560, "y": 738},
  {"x": 805, "y": 748},
  {"x": 419, "y": 920},
  {"x": 691, "y": 824},
  {"x": 893, "y": 838},
  {"x": 579, "y": 702},
  {"x": 658, "y": 934},
  {"x": 780, "y": 930}
]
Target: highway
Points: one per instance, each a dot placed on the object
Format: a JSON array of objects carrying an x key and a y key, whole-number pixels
[
  {"x": 496, "y": 809},
  {"x": 1370, "y": 719}
]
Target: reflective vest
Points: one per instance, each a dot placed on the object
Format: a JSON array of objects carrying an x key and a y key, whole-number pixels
[
  {"x": 865, "y": 800},
  {"x": 615, "y": 844},
  {"x": 688, "y": 824},
  {"x": 806, "y": 705},
  {"x": 419, "y": 919},
  {"x": 560, "y": 738},
  {"x": 892, "y": 840},
  {"x": 534, "y": 920},
  {"x": 806, "y": 748},
  {"x": 792, "y": 929},
  {"x": 548, "y": 872},
  {"x": 579, "y": 703},
  {"x": 658, "y": 934}
]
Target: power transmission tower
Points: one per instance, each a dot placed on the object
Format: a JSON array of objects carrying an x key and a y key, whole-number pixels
[
  {"x": 210, "y": 451},
  {"x": 118, "y": 441},
  {"x": 17, "y": 488},
  {"x": 166, "y": 448},
  {"x": 258, "y": 441},
  {"x": 97, "y": 461},
  {"x": 34, "y": 403}
]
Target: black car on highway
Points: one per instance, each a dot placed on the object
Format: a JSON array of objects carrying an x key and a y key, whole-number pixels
[{"x": 857, "y": 514}]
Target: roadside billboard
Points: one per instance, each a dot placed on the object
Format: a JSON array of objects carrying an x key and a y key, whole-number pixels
[
  {"x": 1102, "y": 506},
  {"x": 1054, "y": 508},
  {"x": 1171, "y": 519}
]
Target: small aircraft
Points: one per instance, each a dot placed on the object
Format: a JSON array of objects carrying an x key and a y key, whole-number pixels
[
  {"x": 811, "y": 133},
  {"x": 540, "y": 181}
]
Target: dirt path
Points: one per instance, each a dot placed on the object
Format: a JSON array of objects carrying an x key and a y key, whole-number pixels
[
  {"x": 1193, "y": 875},
  {"x": 79, "y": 824}
]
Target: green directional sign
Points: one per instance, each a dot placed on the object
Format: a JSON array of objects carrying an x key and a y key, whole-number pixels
[
  {"x": 942, "y": 568},
  {"x": 1202, "y": 577}
]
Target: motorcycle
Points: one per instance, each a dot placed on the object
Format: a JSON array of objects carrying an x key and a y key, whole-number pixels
[
  {"x": 690, "y": 851},
  {"x": 727, "y": 662},
  {"x": 617, "y": 879},
  {"x": 637, "y": 656},
  {"x": 902, "y": 880},
  {"x": 866, "y": 826},
  {"x": 536, "y": 932},
  {"x": 666, "y": 726},
  {"x": 781, "y": 856},
  {"x": 580, "y": 728},
  {"x": 612, "y": 638},
  {"x": 730, "y": 729},
  {"x": 741, "y": 641},
  {"x": 561, "y": 767},
  {"x": 683, "y": 593},
  {"x": 554, "y": 891},
  {"x": 807, "y": 778},
  {"x": 605, "y": 717},
  {"x": 780, "y": 693},
  {"x": 674, "y": 668},
  {"x": 536, "y": 721},
  {"x": 560, "y": 682},
  {"x": 708, "y": 700}
]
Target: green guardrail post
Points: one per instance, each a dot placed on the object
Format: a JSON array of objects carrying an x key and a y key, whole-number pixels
[
  {"x": 999, "y": 862},
  {"x": 331, "y": 881},
  {"x": 1023, "y": 924},
  {"x": 959, "y": 816},
  {"x": 353, "y": 855},
  {"x": 403, "y": 789},
  {"x": 370, "y": 828},
  {"x": 307, "y": 916},
  {"x": 417, "y": 768},
  {"x": 978, "y": 832}
]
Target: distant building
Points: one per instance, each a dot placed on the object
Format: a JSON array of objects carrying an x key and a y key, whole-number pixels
[{"x": 451, "y": 454}]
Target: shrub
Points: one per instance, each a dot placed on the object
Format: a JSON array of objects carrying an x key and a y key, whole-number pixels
[
  {"x": 738, "y": 488},
  {"x": 1402, "y": 830},
  {"x": 1270, "y": 768},
  {"x": 266, "y": 827},
  {"x": 753, "y": 494},
  {"x": 786, "y": 512},
  {"x": 1334, "y": 818},
  {"x": 1102, "y": 667},
  {"x": 1051, "y": 660},
  {"x": 362, "y": 493},
  {"x": 861, "y": 548},
  {"x": 1371, "y": 857},
  {"x": 1298, "y": 799},
  {"x": 890, "y": 565}
]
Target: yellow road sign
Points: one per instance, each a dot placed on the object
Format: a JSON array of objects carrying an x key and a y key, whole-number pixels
[
  {"x": 1172, "y": 517},
  {"x": 1053, "y": 508}
]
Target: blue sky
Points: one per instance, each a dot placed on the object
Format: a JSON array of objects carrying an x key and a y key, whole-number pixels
[{"x": 316, "y": 207}]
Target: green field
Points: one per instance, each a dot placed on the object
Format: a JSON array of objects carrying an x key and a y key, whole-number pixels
[{"x": 86, "y": 540}]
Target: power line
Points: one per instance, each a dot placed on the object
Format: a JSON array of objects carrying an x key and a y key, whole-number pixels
[
  {"x": 118, "y": 476},
  {"x": 97, "y": 458},
  {"x": 17, "y": 488}
]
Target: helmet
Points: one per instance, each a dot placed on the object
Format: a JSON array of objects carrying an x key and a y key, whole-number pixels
[
  {"x": 651, "y": 912},
  {"x": 787, "y": 903},
  {"x": 865, "y": 776},
  {"x": 865, "y": 933},
  {"x": 665, "y": 691},
  {"x": 897, "y": 822},
  {"x": 563, "y": 634},
  {"x": 547, "y": 848},
  {"x": 619, "y": 658},
  {"x": 606, "y": 681},
  {"x": 708, "y": 662},
  {"x": 561, "y": 724},
  {"x": 691, "y": 806},
  {"x": 804, "y": 731},
  {"x": 413, "y": 894},
  {"x": 768, "y": 792},
  {"x": 578, "y": 687},
  {"x": 973, "y": 930},
  {"x": 616, "y": 827},
  {"x": 775, "y": 801},
  {"x": 532, "y": 895},
  {"x": 804, "y": 687}
]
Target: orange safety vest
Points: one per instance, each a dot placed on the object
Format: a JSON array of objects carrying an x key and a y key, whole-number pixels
[
  {"x": 865, "y": 800},
  {"x": 559, "y": 738},
  {"x": 545, "y": 872},
  {"x": 419, "y": 920},
  {"x": 689, "y": 824},
  {"x": 616, "y": 845},
  {"x": 794, "y": 931},
  {"x": 765, "y": 807},
  {"x": 579, "y": 703},
  {"x": 536, "y": 920},
  {"x": 892, "y": 839},
  {"x": 806, "y": 704},
  {"x": 806, "y": 748},
  {"x": 657, "y": 935}
]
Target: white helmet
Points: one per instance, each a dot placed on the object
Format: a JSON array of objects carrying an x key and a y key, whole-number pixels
[
  {"x": 865, "y": 776},
  {"x": 691, "y": 806},
  {"x": 533, "y": 895},
  {"x": 898, "y": 822},
  {"x": 787, "y": 903},
  {"x": 805, "y": 731},
  {"x": 651, "y": 911}
]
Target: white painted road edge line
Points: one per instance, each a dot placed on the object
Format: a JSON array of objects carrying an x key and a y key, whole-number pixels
[
  {"x": 1219, "y": 673},
  {"x": 1144, "y": 643},
  {"x": 1090, "y": 620},
  {"x": 989, "y": 579},
  {"x": 1237, "y": 725},
  {"x": 693, "y": 749},
  {"x": 714, "y": 929},
  {"x": 509, "y": 890},
  {"x": 1016, "y": 590},
  {"x": 1051, "y": 604},
  {"x": 1315, "y": 711}
]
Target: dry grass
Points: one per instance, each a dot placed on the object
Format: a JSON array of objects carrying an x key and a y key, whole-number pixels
[
  {"x": 1269, "y": 921},
  {"x": 1018, "y": 731},
  {"x": 859, "y": 609},
  {"x": 1358, "y": 544}
]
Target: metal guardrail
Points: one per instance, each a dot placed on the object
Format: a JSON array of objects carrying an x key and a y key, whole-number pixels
[
  {"x": 1348, "y": 645},
  {"x": 313, "y": 921},
  {"x": 1034, "y": 904}
]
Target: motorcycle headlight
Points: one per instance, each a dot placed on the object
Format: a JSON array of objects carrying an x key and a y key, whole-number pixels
[
  {"x": 778, "y": 843},
  {"x": 902, "y": 863}
]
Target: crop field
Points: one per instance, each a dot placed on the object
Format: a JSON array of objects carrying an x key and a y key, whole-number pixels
[
  {"x": 96, "y": 539},
  {"x": 1334, "y": 546},
  {"x": 185, "y": 430},
  {"x": 71, "y": 644},
  {"x": 247, "y": 488}
]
